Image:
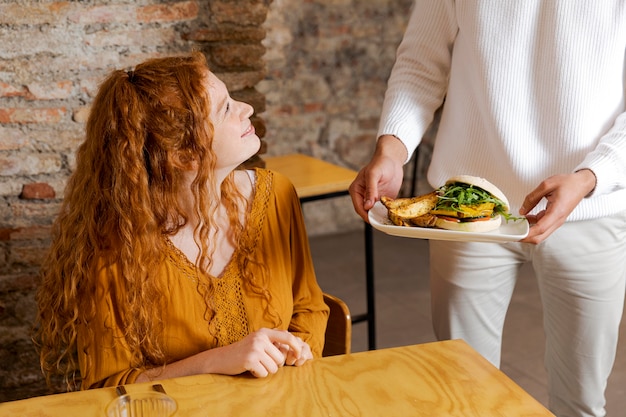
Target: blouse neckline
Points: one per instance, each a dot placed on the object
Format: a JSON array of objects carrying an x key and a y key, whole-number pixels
[{"x": 261, "y": 183}]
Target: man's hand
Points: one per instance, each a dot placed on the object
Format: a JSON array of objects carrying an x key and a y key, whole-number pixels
[
  {"x": 381, "y": 177},
  {"x": 563, "y": 193}
]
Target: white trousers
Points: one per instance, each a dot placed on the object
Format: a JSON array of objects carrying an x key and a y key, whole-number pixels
[{"x": 581, "y": 272}]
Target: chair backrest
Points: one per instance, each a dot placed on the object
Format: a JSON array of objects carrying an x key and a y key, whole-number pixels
[{"x": 339, "y": 327}]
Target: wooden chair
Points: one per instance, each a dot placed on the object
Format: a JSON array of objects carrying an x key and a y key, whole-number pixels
[{"x": 339, "y": 327}]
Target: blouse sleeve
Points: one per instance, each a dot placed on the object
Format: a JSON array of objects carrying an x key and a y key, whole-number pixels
[
  {"x": 103, "y": 355},
  {"x": 310, "y": 313}
]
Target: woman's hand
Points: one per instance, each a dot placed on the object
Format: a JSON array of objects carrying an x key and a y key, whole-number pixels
[
  {"x": 292, "y": 357},
  {"x": 263, "y": 352}
]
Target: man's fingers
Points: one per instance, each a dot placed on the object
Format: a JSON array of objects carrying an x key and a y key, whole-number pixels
[
  {"x": 371, "y": 190},
  {"x": 359, "y": 195}
]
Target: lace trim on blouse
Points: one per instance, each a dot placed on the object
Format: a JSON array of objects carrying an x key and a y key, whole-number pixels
[{"x": 230, "y": 321}]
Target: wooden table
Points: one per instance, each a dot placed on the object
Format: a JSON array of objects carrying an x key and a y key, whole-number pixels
[
  {"x": 315, "y": 179},
  {"x": 433, "y": 379}
]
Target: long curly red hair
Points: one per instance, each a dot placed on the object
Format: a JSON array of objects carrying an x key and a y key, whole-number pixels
[{"x": 145, "y": 127}]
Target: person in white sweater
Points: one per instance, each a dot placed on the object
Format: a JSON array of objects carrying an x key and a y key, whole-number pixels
[{"x": 534, "y": 102}]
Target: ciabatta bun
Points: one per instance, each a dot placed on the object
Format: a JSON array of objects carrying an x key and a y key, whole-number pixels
[{"x": 479, "y": 226}]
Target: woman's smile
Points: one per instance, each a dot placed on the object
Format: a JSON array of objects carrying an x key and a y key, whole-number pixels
[{"x": 249, "y": 131}]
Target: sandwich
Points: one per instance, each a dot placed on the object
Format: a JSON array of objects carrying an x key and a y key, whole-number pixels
[{"x": 463, "y": 203}]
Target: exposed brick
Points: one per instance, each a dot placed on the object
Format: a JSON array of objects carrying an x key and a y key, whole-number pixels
[
  {"x": 26, "y": 233},
  {"x": 12, "y": 139},
  {"x": 239, "y": 80},
  {"x": 368, "y": 123},
  {"x": 103, "y": 60},
  {"x": 226, "y": 33},
  {"x": 313, "y": 107},
  {"x": 31, "y": 13},
  {"x": 145, "y": 37},
  {"x": 81, "y": 115},
  {"x": 27, "y": 213},
  {"x": 50, "y": 91},
  {"x": 185, "y": 10},
  {"x": 288, "y": 110},
  {"x": 32, "y": 40},
  {"x": 181, "y": 11},
  {"x": 18, "y": 282},
  {"x": 103, "y": 14},
  {"x": 30, "y": 164},
  {"x": 8, "y": 189},
  {"x": 89, "y": 85},
  {"x": 237, "y": 56},
  {"x": 5, "y": 268},
  {"x": 32, "y": 115},
  {"x": 9, "y": 165},
  {"x": 61, "y": 142},
  {"x": 5, "y": 234},
  {"x": 37, "y": 191},
  {"x": 27, "y": 255},
  {"x": 7, "y": 90},
  {"x": 243, "y": 13}
]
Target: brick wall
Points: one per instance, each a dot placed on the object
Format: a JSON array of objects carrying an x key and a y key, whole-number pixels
[{"x": 315, "y": 71}]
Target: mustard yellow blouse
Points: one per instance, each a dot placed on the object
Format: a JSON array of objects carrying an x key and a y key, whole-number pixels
[{"x": 276, "y": 234}]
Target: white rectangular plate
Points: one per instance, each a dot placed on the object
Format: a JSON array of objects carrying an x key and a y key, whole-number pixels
[{"x": 511, "y": 231}]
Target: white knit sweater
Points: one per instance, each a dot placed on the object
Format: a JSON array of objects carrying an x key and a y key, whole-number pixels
[{"x": 533, "y": 88}]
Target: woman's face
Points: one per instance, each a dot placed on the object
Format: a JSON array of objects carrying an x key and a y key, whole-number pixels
[{"x": 234, "y": 138}]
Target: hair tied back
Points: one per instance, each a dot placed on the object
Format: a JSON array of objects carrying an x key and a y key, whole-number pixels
[{"x": 131, "y": 75}]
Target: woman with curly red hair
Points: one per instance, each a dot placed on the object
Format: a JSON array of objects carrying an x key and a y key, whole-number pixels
[{"x": 166, "y": 259}]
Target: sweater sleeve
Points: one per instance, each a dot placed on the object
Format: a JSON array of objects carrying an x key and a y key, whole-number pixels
[
  {"x": 608, "y": 159},
  {"x": 419, "y": 78}
]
